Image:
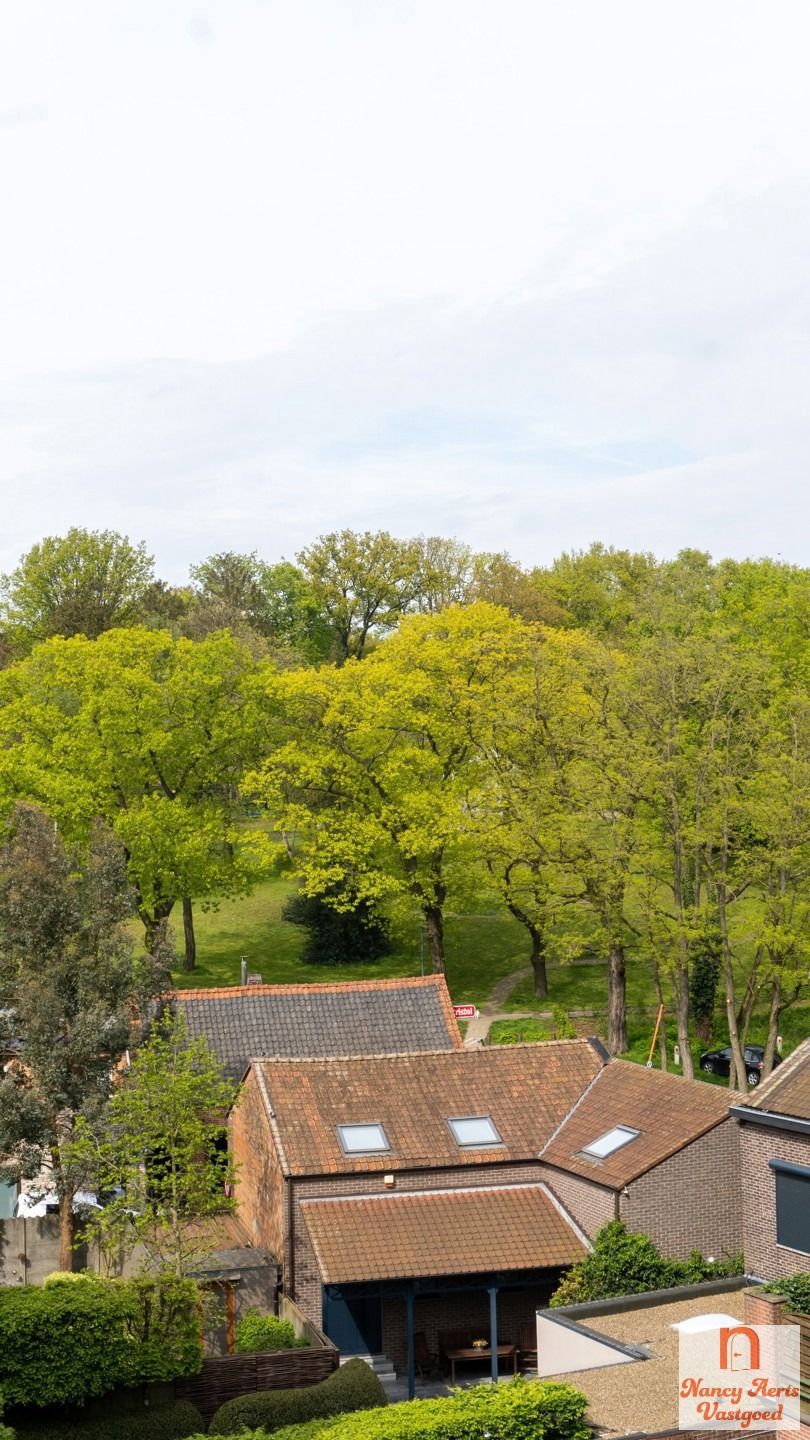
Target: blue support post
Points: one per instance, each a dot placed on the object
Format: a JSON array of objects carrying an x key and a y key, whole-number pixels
[
  {"x": 409, "y": 1332},
  {"x": 493, "y": 1331}
]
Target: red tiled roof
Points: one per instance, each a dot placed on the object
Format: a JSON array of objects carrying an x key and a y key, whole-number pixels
[
  {"x": 668, "y": 1110},
  {"x": 787, "y": 1089},
  {"x": 526, "y": 1089},
  {"x": 444, "y": 1232}
]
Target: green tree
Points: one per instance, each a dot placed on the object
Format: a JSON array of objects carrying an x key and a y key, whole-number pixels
[
  {"x": 81, "y": 583},
  {"x": 362, "y": 585},
  {"x": 381, "y": 767},
  {"x": 159, "y": 1148},
  {"x": 72, "y": 991},
  {"x": 154, "y": 735}
]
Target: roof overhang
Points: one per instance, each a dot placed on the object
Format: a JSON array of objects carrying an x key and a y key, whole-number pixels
[{"x": 769, "y": 1120}]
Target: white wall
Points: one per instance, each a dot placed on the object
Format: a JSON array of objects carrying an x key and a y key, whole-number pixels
[{"x": 561, "y": 1348}]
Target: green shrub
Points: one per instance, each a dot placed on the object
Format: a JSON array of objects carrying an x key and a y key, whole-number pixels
[
  {"x": 67, "y": 1342},
  {"x": 155, "y": 1422},
  {"x": 796, "y": 1288},
  {"x": 164, "y": 1326},
  {"x": 6, "y": 1433},
  {"x": 67, "y": 1277},
  {"x": 625, "y": 1263},
  {"x": 354, "y": 1386},
  {"x": 265, "y": 1332},
  {"x": 519, "y": 1410}
]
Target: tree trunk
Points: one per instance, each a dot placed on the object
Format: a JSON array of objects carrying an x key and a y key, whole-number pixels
[
  {"x": 737, "y": 1077},
  {"x": 154, "y": 924},
  {"x": 538, "y": 959},
  {"x": 434, "y": 929},
  {"x": 618, "y": 1042},
  {"x": 190, "y": 957},
  {"x": 67, "y": 1232},
  {"x": 773, "y": 1027},
  {"x": 681, "y": 987},
  {"x": 538, "y": 951}
]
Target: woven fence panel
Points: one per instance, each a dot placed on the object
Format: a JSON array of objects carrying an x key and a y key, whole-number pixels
[{"x": 225, "y": 1377}]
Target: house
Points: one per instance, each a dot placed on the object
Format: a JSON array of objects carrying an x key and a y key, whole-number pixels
[
  {"x": 426, "y": 1193},
  {"x": 774, "y": 1124},
  {"x": 358, "y": 1017},
  {"x": 655, "y": 1150}
]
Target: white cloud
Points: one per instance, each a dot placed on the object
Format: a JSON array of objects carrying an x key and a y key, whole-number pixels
[{"x": 530, "y": 274}]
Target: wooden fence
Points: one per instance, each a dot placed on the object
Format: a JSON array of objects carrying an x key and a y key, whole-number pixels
[{"x": 225, "y": 1377}]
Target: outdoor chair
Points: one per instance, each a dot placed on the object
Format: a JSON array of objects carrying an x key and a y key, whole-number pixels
[
  {"x": 425, "y": 1359},
  {"x": 528, "y": 1344}
]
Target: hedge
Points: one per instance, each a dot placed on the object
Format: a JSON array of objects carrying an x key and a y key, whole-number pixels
[
  {"x": 517, "y": 1410},
  {"x": 257, "y": 1332},
  {"x": 796, "y": 1289},
  {"x": 354, "y": 1386},
  {"x": 73, "y": 1340},
  {"x": 155, "y": 1422}
]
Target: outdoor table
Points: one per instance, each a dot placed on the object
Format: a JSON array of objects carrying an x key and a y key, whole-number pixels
[{"x": 470, "y": 1352}]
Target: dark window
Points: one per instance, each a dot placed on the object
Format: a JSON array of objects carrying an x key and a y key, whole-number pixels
[{"x": 792, "y": 1206}]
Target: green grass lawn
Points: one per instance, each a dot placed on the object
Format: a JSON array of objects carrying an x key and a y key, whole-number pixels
[{"x": 480, "y": 949}]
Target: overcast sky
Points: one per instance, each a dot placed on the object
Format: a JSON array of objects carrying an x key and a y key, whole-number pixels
[{"x": 528, "y": 272}]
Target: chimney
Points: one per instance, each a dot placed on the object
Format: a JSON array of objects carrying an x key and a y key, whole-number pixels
[{"x": 243, "y": 970}]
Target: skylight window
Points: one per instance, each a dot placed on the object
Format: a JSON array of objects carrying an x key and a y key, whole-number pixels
[
  {"x": 611, "y": 1141},
  {"x": 363, "y": 1139},
  {"x": 471, "y": 1131}
]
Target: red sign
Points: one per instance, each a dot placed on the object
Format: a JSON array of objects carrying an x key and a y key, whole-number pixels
[{"x": 465, "y": 1012}]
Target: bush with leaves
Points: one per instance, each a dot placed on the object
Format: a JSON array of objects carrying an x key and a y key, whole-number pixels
[
  {"x": 337, "y": 936},
  {"x": 175, "y": 1421},
  {"x": 518, "y": 1410},
  {"x": 626, "y": 1263},
  {"x": 796, "y": 1289},
  {"x": 353, "y": 1387},
  {"x": 122, "y": 1332},
  {"x": 256, "y": 1332}
]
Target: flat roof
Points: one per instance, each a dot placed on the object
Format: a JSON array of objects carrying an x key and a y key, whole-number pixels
[{"x": 641, "y": 1396}]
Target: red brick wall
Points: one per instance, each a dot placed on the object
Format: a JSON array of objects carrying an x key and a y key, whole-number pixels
[
  {"x": 763, "y": 1257},
  {"x": 692, "y": 1201},
  {"x": 260, "y": 1184},
  {"x": 307, "y": 1280}
]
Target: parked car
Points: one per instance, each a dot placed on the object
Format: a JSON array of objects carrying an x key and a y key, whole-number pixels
[{"x": 718, "y": 1062}]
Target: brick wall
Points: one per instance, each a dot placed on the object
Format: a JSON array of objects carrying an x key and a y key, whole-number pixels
[
  {"x": 466, "y": 1310},
  {"x": 763, "y": 1257},
  {"x": 307, "y": 1279},
  {"x": 692, "y": 1201},
  {"x": 260, "y": 1184},
  {"x": 589, "y": 1204}
]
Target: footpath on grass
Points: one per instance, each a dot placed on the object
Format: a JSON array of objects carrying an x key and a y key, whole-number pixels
[{"x": 478, "y": 1029}]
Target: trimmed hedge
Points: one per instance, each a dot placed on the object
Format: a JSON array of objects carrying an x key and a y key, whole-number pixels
[
  {"x": 354, "y": 1386},
  {"x": 176, "y": 1421},
  {"x": 79, "y": 1338},
  {"x": 518, "y": 1410},
  {"x": 259, "y": 1333}
]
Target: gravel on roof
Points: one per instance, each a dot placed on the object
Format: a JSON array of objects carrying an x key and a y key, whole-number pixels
[{"x": 642, "y": 1395}]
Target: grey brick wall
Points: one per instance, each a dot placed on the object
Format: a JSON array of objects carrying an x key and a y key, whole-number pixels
[{"x": 590, "y": 1205}]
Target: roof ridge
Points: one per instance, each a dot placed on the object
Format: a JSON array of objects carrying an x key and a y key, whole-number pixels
[
  {"x": 486, "y": 1050},
  {"x": 388, "y": 982}
]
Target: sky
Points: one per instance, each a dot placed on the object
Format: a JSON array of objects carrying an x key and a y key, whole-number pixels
[{"x": 529, "y": 273}]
